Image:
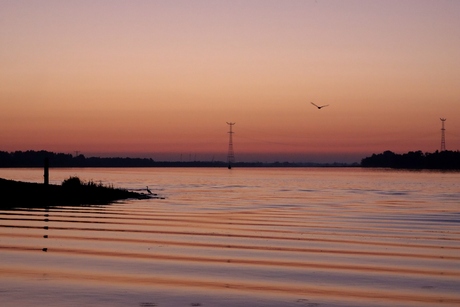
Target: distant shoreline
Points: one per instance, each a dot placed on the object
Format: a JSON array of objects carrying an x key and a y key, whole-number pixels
[
  {"x": 205, "y": 165},
  {"x": 30, "y": 158},
  {"x": 414, "y": 160},
  {"x": 442, "y": 160}
]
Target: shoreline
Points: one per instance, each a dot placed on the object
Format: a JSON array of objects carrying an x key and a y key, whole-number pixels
[{"x": 19, "y": 194}]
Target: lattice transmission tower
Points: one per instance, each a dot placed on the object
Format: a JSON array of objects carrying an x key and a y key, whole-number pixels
[
  {"x": 443, "y": 135},
  {"x": 231, "y": 154}
]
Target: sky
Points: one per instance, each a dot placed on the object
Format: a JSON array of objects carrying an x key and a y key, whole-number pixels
[{"x": 161, "y": 79}]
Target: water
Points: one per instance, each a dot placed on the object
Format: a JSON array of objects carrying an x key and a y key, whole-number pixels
[{"x": 240, "y": 237}]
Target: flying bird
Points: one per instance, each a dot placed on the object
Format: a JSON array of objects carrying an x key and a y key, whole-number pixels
[{"x": 319, "y": 107}]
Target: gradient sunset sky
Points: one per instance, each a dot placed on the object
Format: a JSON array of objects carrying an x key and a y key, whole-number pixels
[{"x": 160, "y": 79}]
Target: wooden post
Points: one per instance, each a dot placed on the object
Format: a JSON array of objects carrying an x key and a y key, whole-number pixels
[{"x": 46, "y": 175}]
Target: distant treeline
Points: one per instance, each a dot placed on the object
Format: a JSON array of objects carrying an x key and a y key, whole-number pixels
[
  {"x": 415, "y": 160},
  {"x": 32, "y": 158}
]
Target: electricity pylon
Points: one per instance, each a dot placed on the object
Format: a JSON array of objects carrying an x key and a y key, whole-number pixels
[{"x": 231, "y": 154}]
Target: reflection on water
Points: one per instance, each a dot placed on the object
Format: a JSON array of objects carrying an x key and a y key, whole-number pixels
[{"x": 245, "y": 237}]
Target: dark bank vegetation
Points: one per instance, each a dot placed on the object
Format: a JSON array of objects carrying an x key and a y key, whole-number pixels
[
  {"x": 32, "y": 158},
  {"x": 444, "y": 160},
  {"x": 72, "y": 191}
]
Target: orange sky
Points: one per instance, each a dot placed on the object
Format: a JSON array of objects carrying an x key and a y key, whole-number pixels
[{"x": 160, "y": 79}]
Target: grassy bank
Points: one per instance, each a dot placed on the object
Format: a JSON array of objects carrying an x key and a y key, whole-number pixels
[{"x": 16, "y": 194}]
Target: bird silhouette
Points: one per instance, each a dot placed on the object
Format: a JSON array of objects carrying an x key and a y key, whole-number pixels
[
  {"x": 319, "y": 107},
  {"x": 148, "y": 190}
]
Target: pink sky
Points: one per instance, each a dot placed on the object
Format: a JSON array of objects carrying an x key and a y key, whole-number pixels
[{"x": 160, "y": 79}]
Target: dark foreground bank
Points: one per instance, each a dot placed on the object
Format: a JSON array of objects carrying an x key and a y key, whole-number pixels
[{"x": 15, "y": 194}]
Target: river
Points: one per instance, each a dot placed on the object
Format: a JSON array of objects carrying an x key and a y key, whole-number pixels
[{"x": 240, "y": 237}]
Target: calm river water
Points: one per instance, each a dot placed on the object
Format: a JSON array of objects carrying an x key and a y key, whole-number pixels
[{"x": 240, "y": 237}]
